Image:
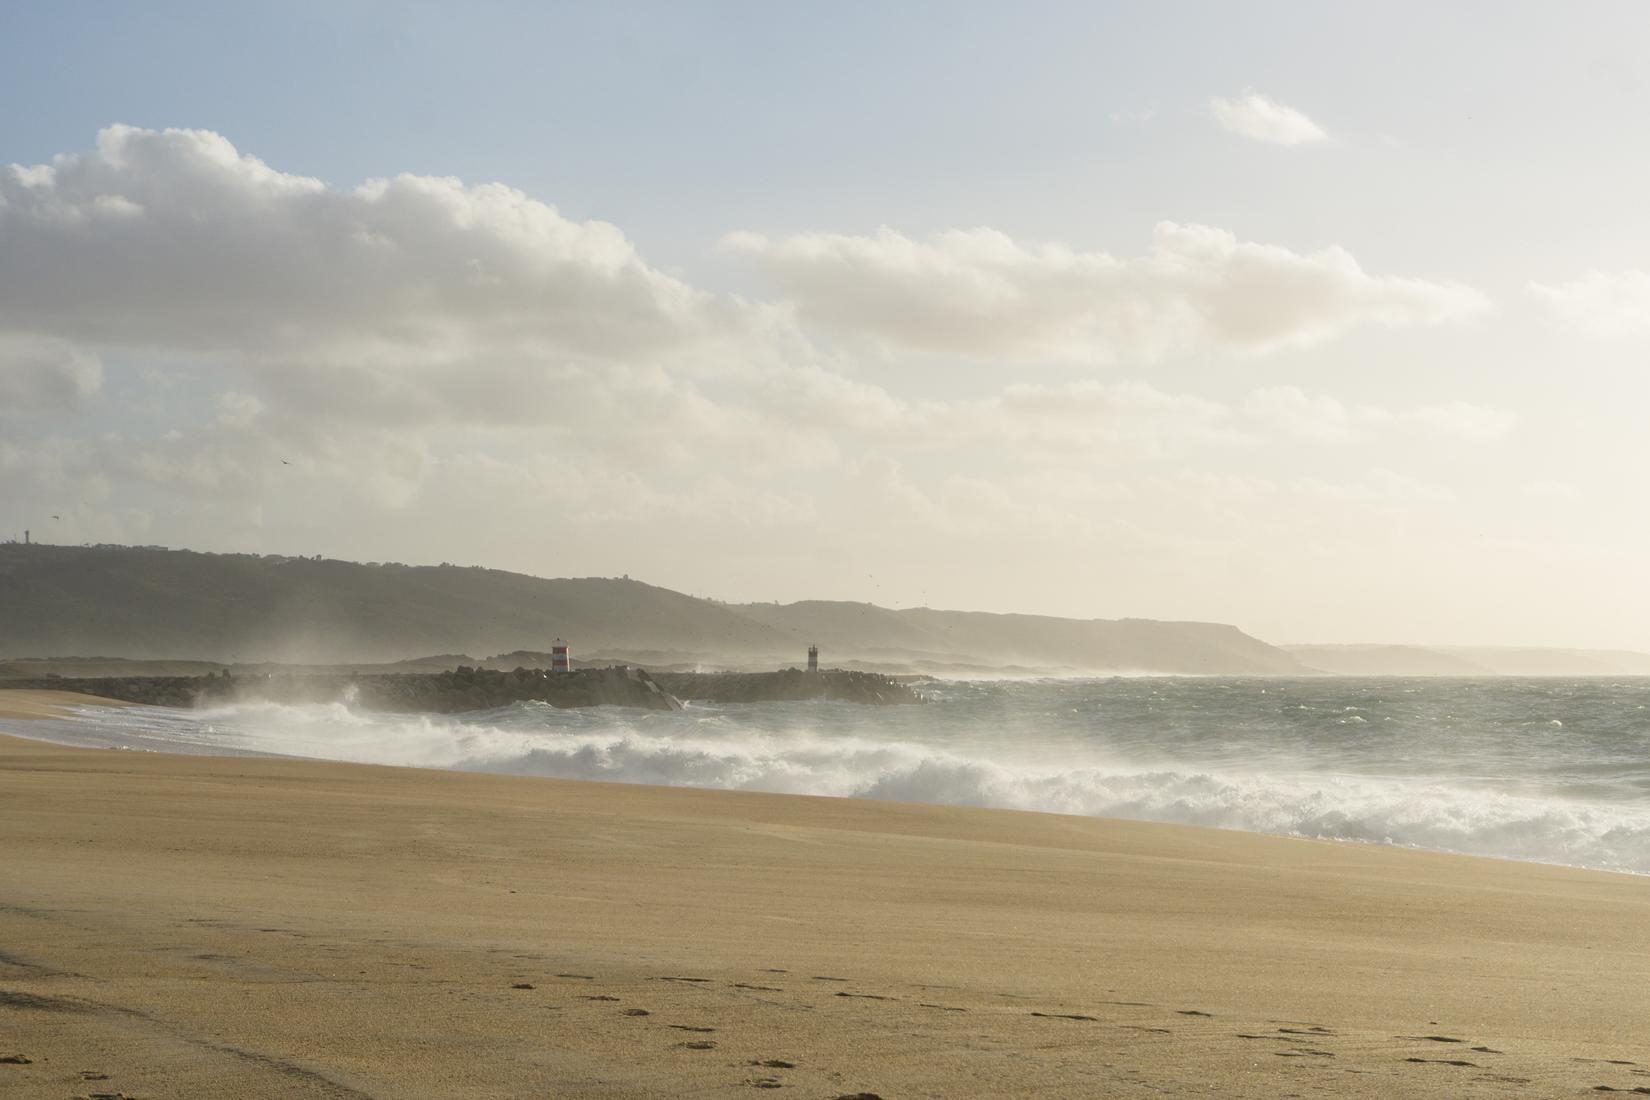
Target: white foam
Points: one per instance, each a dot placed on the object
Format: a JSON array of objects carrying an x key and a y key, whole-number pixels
[{"x": 706, "y": 747}]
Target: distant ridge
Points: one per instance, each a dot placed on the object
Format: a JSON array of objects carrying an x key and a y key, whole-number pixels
[
  {"x": 156, "y": 603},
  {"x": 1413, "y": 660}
]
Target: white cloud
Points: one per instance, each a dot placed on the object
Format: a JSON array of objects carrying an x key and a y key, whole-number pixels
[
  {"x": 1082, "y": 417},
  {"x": 1292, "y": 412},
  {"x": 1601, "y": 303},
  {"x": 979, "y": 293},
  {"x": 175, "y": 240},
  {"x": 467, "y": 374},
  {"x": 1256, "y": 116},
  {"x": 1551, "y": 489}
]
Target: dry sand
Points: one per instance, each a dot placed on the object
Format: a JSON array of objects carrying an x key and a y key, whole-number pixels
[{"x": 175, "y": 926}]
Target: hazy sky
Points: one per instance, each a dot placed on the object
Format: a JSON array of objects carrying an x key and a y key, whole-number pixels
[{"x": 1330, "y": 321}]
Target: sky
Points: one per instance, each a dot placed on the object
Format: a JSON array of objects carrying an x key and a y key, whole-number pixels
[{"x": 1328, "y": 321}]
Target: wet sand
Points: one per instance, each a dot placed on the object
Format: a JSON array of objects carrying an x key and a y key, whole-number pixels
[{"x": 190, "y": 926}]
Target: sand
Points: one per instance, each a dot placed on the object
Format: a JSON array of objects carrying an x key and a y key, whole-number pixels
[
  {"x": 49, "y": 704},
  {"x": 176, "y": 926}
]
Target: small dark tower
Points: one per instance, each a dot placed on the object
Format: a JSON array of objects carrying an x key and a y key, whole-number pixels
[{"x": 813, "y": 658}]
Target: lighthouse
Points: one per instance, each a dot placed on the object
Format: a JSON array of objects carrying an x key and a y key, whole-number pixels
[
  {"x": 559, "y": 660},
  {"x": 813, "y": 658}
]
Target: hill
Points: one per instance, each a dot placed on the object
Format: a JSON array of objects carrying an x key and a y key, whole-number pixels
[
  {"x": 923, "y": 637},
  {"x": 180, "y": 605},
  {"x": 1411, "y": 660}
]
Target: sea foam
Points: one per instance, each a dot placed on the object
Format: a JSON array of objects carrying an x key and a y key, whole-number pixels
[{"x": 959, "y": 752}]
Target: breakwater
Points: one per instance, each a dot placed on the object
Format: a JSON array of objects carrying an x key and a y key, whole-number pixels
[
  {"x": 471, "y": 689},
  {"x": 463, "y": 689},
  {"x": 788, "y": 685}
]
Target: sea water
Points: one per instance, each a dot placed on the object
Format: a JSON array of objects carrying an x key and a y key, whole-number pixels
[{"x": 1546, "y": 770}]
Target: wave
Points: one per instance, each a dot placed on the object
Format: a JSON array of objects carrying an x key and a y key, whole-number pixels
[{"x": 706, "y": 747}]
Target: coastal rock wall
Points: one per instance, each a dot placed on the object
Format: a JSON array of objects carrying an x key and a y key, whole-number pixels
[
  {"x": 440, "y": 693},
  {"x": 789, "y": 685}
]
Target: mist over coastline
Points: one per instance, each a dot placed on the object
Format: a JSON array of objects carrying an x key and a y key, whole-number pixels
[{"x": 1539, "y": 770}]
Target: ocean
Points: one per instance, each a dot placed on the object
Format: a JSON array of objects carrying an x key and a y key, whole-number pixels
[{"x": 1551, "y": 771}]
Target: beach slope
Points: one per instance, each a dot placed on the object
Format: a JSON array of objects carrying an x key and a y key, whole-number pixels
[{"x": 193, "y": 926}]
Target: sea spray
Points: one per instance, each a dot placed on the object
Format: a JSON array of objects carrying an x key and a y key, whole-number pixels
[{"x": 1460, "y": 766}]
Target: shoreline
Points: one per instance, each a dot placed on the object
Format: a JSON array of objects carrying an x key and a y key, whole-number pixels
[
  {"x": 29, "y": 704},
  {"x": 186, "y": 924}
]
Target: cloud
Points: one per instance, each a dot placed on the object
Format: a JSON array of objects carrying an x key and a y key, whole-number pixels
[
  {"x": 981, "y": 294},
  {"x": 175, "y": 240},
  {"x": 45, "y": 375},
  {"x": 1294, "y": 413},
  {"x": 1255, "y": 116},
  {"x": 1602, "y": 304},
  {"x": 422, "y": 368},
  {"x": 1550, "y": 489},
  {"x": 1081, "y": 417}
]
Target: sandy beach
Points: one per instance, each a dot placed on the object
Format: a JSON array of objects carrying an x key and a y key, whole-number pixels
[{"x": 178, "y": 926}]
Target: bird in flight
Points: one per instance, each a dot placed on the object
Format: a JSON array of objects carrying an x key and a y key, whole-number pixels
[
  {"x": 57, "y": 517},
  {"x": 284, "y": 462}
]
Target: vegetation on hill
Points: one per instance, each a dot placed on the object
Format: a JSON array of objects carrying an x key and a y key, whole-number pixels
[{"x": 178, "y": 605}]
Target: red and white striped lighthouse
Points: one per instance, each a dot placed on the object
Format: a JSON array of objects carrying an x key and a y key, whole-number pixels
[{"x": 559, "y": 660}]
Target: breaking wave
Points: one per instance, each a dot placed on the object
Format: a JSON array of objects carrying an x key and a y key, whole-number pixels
[{"x": 1358, "y": 782}]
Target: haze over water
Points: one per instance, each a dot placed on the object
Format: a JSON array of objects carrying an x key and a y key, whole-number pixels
[{"x": 1543, "y": 770}]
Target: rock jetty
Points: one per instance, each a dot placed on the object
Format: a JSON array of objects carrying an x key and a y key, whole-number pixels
[
  {"x": 469, "y": 689},
  {"x": 788, "y": 685},
  {"x": 463, "y": 689}
]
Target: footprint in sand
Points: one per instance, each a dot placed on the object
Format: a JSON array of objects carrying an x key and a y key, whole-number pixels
[
  {"x": 522, "y": 985},
  {"x": 690, "y": 1027},
  {"x": 1193, "y": 1012},
  {"x": 763, "y": 988},
  {"x": 701, "y": 1044},
  {"x": 1642, "y": 1090},
  {"x": 580, "y": 977},
  {"x": 637, "y": 1012},
  {"x": 1060, "y": 1016},
  {"x": 1444, "y": 1061},
  {"x": 775, "y": 1063},
  {"x": 1429, "y": 1038},
  {"x": 600, "y": 997}
]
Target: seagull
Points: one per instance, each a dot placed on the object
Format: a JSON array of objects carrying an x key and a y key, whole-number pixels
[
  {"x": 57, "y": 517},
  {"x": 284, "y": 462}
]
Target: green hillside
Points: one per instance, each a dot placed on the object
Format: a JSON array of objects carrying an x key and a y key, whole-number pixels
[{"x": 153, "y": 603}]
